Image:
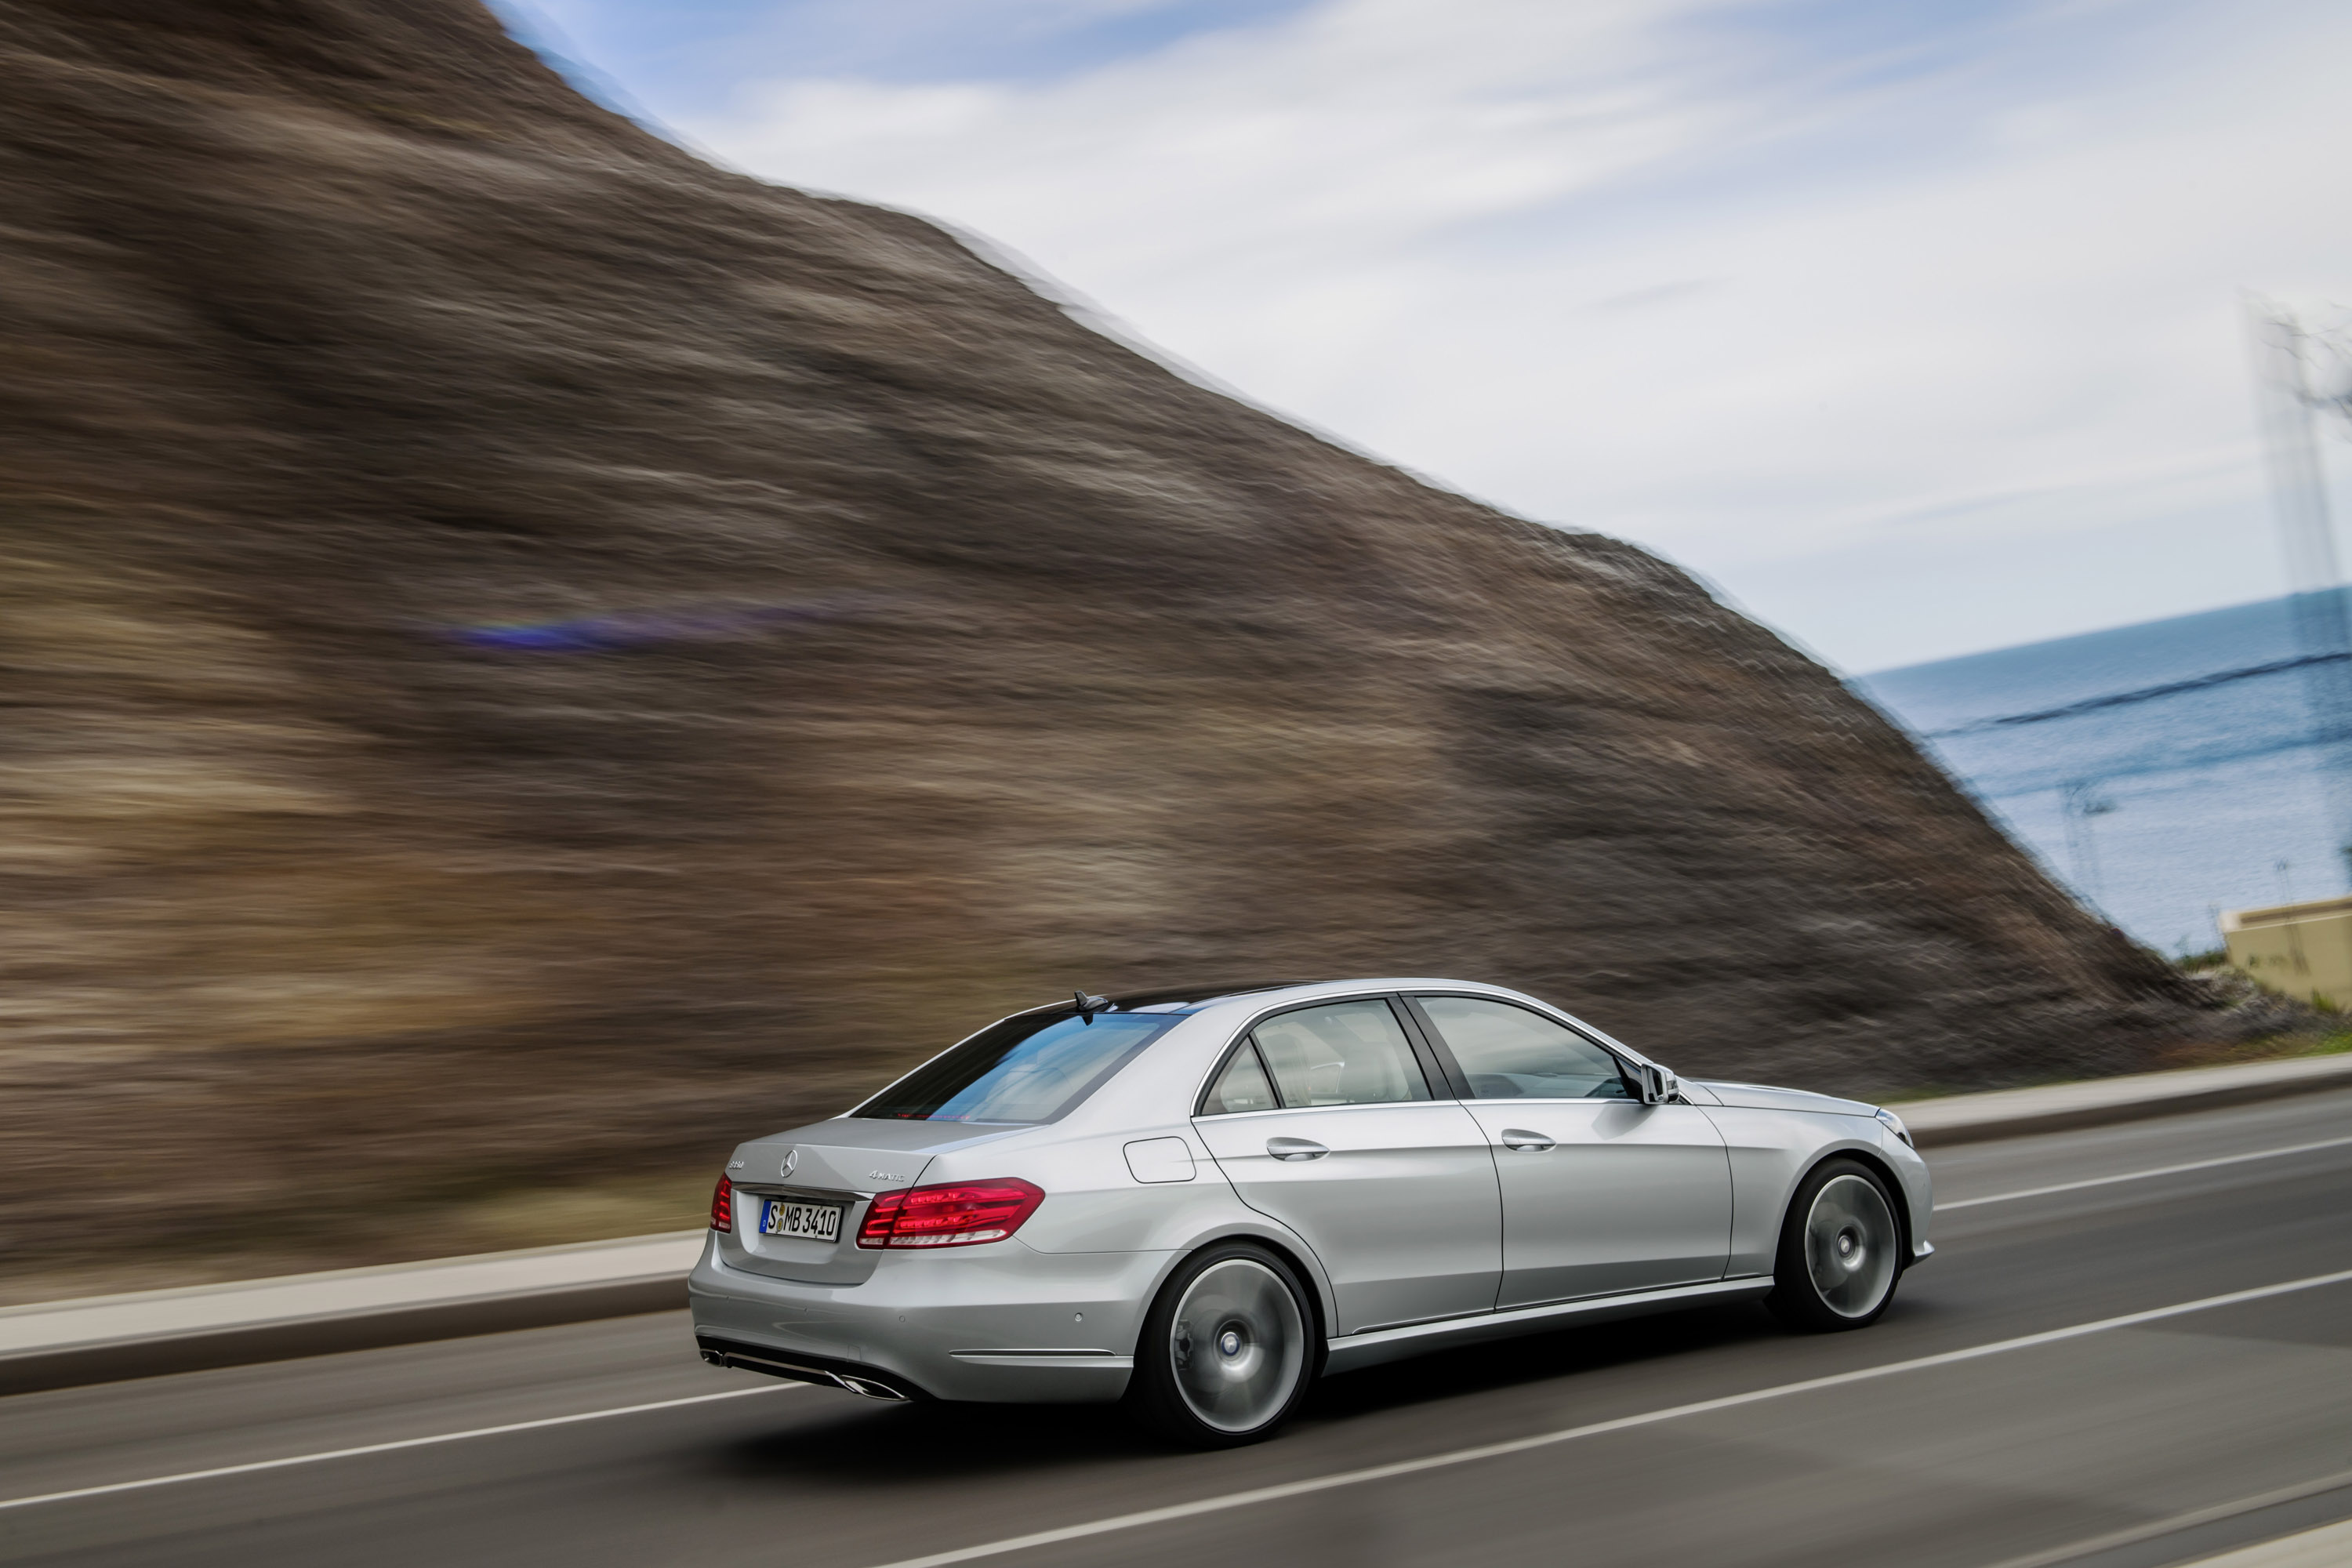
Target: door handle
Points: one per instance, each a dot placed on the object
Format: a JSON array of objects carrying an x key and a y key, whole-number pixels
[
  {"x": 1294, "y": 1149},
  {"x": 1520, "y": 1138}
]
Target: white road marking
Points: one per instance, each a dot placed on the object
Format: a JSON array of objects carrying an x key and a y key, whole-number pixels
[
  {"x": 2179, "y": 1522},
  {"x": 2144, "y": 1175},
  {"x": 1597, "y": 1428},
  {"x": 248, "y": 1469}
]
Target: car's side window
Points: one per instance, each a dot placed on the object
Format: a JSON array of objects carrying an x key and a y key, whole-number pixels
[
  {"x": 1342, "y": 1053},
  {"x": 1510, "y": 1053},
  {"x": 1242, "y": 1086}
]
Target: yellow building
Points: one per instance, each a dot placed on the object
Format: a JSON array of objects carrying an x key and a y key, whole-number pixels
[{"x": 2304, "y": 949}]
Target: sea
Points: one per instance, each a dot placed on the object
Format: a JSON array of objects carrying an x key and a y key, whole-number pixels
[{"x": 2163, "y": 772}]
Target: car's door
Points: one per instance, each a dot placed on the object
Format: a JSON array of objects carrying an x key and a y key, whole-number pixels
[
  {"x": 1600, "y": 1193},
  {"x": 1323, "y": 1118}
]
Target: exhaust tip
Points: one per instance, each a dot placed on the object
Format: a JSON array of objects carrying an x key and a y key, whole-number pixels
[{"x": 870, "y": 1389}]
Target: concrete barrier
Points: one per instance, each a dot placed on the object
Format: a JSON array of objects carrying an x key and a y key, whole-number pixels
[
  {"x": 58, "y": 1344},
  {"x": 2059, "y": 1106}
]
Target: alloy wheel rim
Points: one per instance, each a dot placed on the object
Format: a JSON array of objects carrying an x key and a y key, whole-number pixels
[
  {"x": 1237, "y": 1345},
  {"x": 1849, "y": 1242}
]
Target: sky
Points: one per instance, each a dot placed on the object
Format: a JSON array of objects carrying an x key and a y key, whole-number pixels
[{"x": 1914, "y": 327}]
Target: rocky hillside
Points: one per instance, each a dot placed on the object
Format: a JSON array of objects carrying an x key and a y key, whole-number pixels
[{"x": 526, "y": 656}]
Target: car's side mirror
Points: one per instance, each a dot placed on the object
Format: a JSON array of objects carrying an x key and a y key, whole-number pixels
[{"x": 1658, "y": 1084}]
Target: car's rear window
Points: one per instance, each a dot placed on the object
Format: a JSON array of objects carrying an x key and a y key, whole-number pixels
[{"x": 1027, "y": 1068}]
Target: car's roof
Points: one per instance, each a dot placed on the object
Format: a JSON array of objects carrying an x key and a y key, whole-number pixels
[
  {"x": 1194, "y": 998},
  {"x": 1169, "y": 999},
  {"x": 1188, "y": 998}
]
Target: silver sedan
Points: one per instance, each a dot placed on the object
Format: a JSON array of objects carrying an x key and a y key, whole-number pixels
[{"x": 1198, "y": 1203}]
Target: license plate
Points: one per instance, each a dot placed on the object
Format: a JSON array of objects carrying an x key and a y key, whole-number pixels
[{"x": 810, "y": 1222}]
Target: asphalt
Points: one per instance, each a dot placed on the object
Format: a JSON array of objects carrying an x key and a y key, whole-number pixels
[{"x": 2170, "y": 1437}]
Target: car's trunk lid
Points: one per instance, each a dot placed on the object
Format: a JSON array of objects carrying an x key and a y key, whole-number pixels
[{"x": 840, "y": 1164}]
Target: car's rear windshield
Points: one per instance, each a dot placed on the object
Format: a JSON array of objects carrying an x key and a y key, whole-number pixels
[{"x": 1027, "y": 1068}]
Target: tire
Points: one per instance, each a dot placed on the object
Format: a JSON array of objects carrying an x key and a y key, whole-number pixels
[
  {"x": 1227, "y": 1349},
  {"x": 1840, "y": 1250}
]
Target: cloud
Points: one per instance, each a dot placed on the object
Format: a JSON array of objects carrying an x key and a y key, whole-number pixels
[{"x": 1818, "y": 312}]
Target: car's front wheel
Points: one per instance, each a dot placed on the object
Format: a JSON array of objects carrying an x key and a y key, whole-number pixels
[
  {"x": 1840, "y": 1250},
  {"x": 1227, "y": 1352}
]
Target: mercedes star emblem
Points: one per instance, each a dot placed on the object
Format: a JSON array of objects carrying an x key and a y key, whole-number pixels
[{"x": 792, "y": 1160}]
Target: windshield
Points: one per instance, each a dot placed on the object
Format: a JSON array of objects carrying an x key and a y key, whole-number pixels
[{"x": 1027, "y": 1068}]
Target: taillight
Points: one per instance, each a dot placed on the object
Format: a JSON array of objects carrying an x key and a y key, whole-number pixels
[
  {"x": 722, "y": 1205},
  {"x": 954, "y": 1213}
]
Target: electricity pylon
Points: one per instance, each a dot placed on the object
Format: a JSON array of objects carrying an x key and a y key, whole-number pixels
[{"x": 2290, "y": 407}]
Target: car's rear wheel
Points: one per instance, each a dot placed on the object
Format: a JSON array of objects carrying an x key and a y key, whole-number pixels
[
  {"x": 1227, "y": 1351},
  {"x": 1840, "y": 1250}
]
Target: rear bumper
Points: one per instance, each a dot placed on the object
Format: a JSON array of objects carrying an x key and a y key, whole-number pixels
[{"x": 1000, "y": 1323}]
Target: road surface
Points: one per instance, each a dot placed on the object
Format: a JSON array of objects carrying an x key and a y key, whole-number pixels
[{"x": 2120, "y": 1375}]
